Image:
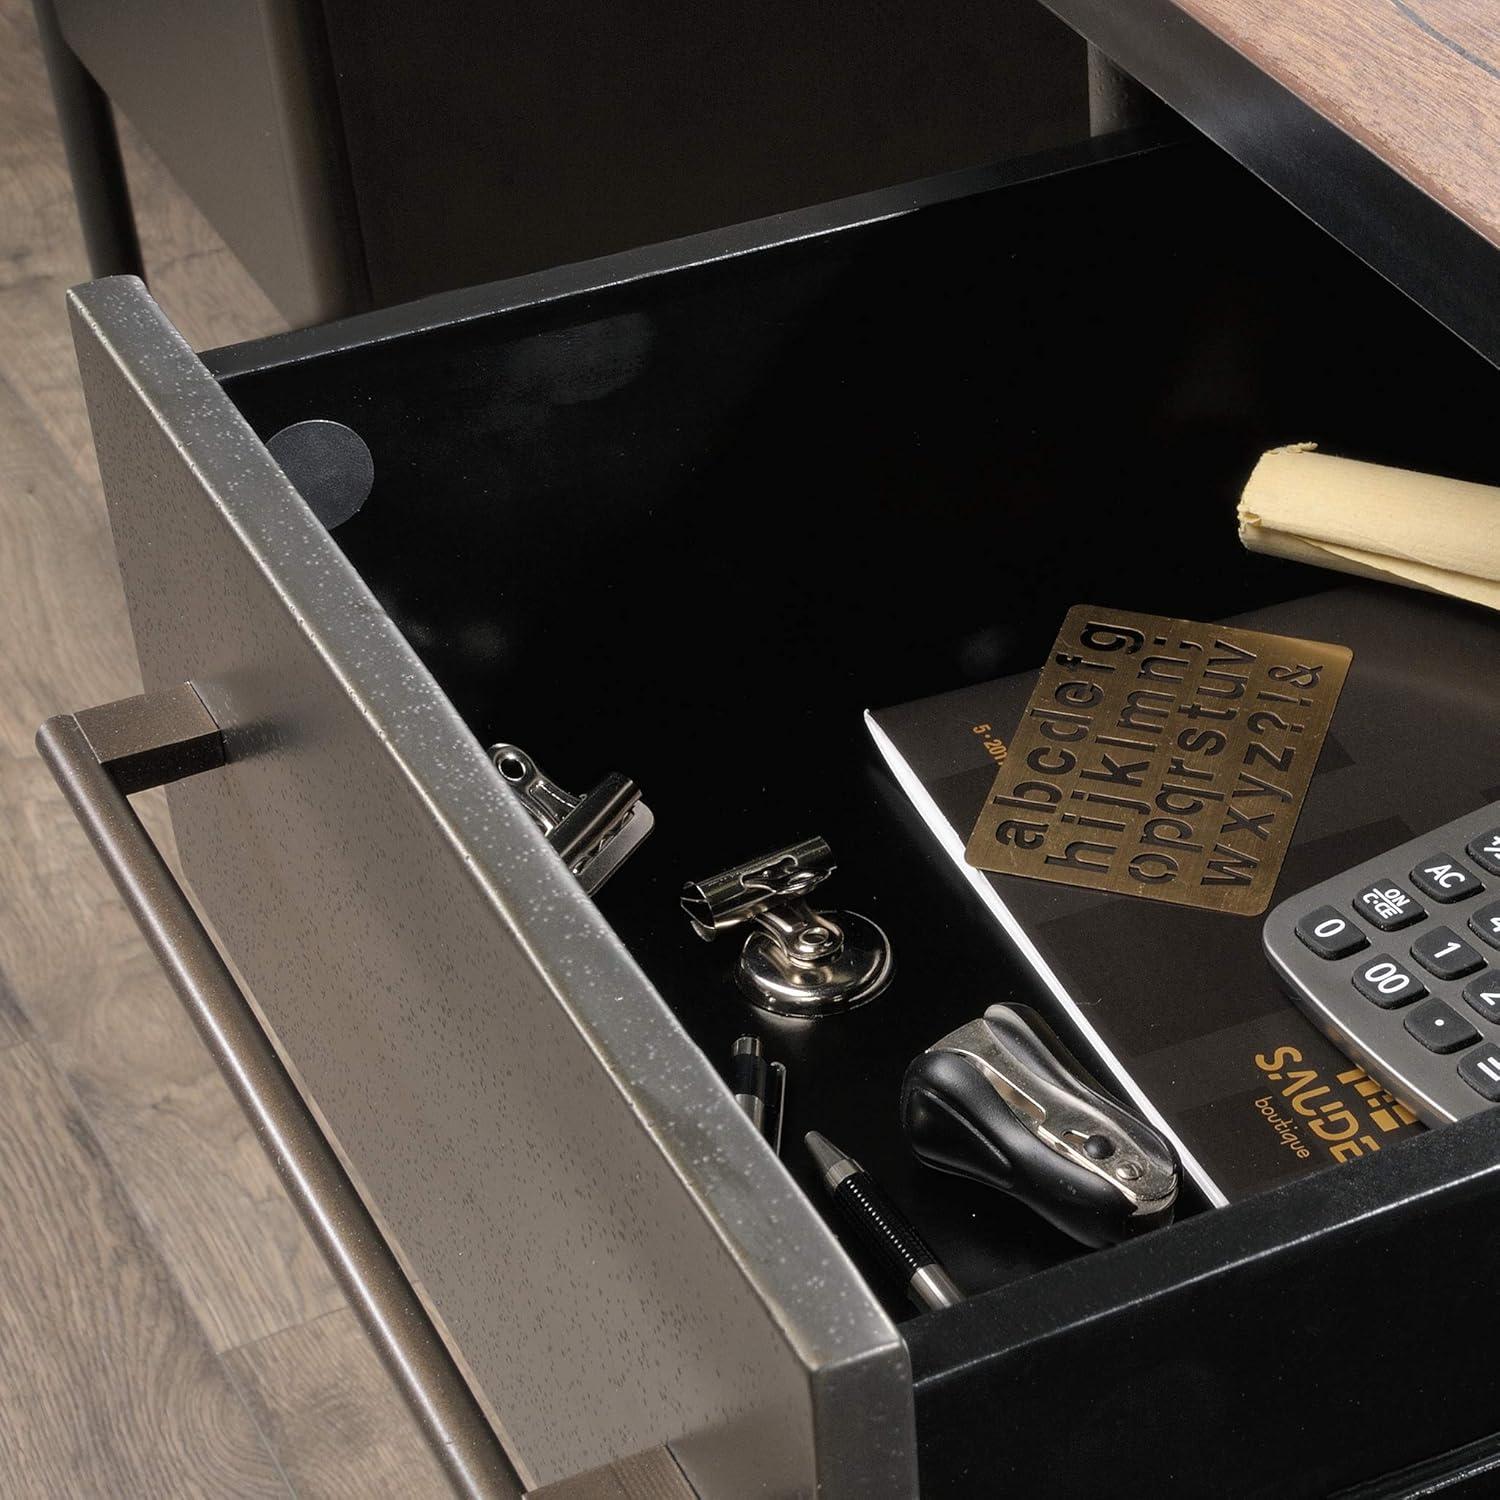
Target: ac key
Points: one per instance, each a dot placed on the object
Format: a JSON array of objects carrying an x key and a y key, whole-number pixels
[{"x": 1444, "y": 879}]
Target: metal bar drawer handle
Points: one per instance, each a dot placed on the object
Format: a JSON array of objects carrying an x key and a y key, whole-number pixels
[{"x": 98, "y": 757}]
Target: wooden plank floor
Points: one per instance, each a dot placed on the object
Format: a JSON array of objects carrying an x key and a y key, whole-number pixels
[{"x": 166, "y": 1327}]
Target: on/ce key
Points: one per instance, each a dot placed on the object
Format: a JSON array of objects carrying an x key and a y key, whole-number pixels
[{"x": 1387, "y": 906}]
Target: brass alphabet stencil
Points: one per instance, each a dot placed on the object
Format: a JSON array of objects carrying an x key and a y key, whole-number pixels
[{"x": 1162, "y": 758}]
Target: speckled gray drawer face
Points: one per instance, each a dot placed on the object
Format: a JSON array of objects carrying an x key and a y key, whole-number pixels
[{"x": 615, "y": 1252}]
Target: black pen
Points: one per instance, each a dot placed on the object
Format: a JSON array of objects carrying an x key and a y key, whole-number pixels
[
  {"x": 747, "y": 1079},
  {"x": 758, "y": 1088},
  {"x": 882, "y": 1227}
]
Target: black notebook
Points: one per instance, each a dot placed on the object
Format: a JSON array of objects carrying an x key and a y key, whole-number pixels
[{"x": 1180, "y": 1004}]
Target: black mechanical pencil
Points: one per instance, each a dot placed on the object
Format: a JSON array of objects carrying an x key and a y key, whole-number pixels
[{"x": 882, "y": 1227}]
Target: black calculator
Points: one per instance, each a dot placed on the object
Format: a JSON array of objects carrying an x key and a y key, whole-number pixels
[{"x": 1398, "y": 961}]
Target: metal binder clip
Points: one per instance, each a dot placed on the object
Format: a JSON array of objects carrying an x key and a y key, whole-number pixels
[
  {"x": 798, "y": 962},
  {"x": 596, "y": 833}
]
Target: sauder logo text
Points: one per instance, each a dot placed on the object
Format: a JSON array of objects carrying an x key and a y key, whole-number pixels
[{"x": 1342, "y": 1118}]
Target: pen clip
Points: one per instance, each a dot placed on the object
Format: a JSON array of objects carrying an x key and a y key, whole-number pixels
[{"x": 775, "y": 1105}]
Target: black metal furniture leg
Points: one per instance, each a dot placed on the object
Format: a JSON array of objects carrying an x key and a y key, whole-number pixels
[{"x": 87, "y": 123}]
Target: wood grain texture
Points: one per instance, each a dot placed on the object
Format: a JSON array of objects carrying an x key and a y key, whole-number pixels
[
  {"x": 107, "y": 1383},
  {"x": 322, "y": 1397},
  {"x": 11, "y": 1020},
  {"x": 89, "y": 987},
  {"x": 202, "y": 287},
  {"x": 1417, "y": 81},
  {"x": 143, "y": 1226}
]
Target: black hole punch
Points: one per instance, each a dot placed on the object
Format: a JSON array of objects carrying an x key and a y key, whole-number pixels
[
  {"x": 330, "y": 465},
  {"x": 512, "y": 767}
]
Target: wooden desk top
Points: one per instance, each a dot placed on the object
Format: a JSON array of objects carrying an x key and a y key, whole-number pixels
[
  {"x": 1379, "y": 118},
  {"x": 1418, "y": 81}
]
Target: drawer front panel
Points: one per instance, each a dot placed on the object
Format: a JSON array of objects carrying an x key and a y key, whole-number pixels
[{"x": 617, "y": 1256}]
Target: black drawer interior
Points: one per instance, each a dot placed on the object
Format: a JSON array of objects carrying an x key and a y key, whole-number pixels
[{"x": 690, "y": 525}]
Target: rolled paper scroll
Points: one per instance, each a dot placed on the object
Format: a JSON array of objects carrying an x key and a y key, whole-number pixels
[{"x": 1392, "y": 524}]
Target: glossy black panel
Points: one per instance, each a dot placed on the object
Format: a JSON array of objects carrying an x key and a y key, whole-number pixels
[{"x": 1315, "y": 1337}]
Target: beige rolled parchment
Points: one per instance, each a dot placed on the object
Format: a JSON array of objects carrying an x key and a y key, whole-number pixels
[{"x": 1391, "y": 524}]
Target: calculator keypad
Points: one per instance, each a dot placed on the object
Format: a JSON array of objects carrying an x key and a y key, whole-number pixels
[
  {"x": 1330, "y": 934},
  {"x": 1443, "y": 953},
  {"x": 1421, "y": 1011},
  {"x": 1482, "y": 994},
  {"x": 1387, "y": 983},
  {"x": 1388, "y": 906},
  {"x": 1444, "y": 879},
  {"x": 1485, "y": 851},
  {"x": 1480, "y": 1069},
  {"x": 1439, "y": 1027},
  {"x": 1486, "y": 922}
]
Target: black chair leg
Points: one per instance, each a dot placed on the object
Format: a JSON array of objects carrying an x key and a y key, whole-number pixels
[{"x": 87, "y": 124}]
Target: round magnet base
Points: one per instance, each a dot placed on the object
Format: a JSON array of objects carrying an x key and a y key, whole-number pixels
[{"x": 856, "y": 973}]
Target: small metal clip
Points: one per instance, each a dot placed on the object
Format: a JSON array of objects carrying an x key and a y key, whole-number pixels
[
  {"x": 596, "y": 833},
  {"x": 798, "y": 962}
]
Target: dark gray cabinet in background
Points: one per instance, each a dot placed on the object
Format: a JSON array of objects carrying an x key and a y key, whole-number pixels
[{"x": 357, "y": 153}]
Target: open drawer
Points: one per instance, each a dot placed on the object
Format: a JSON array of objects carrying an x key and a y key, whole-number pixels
[{"x": 685, "y": 513}]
